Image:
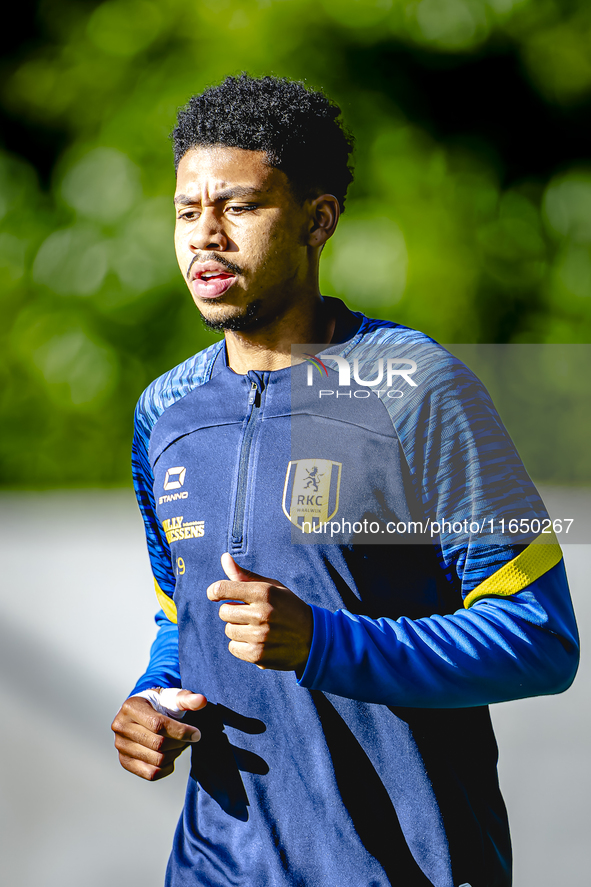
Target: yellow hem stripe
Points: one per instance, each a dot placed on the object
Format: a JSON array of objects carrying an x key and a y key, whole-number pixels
[
  {"x": 533, "y": 562},
  {"x": 167, "y": 604}
]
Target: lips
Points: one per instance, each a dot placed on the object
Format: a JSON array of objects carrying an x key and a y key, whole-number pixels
[{"x": 210, "y": 279}]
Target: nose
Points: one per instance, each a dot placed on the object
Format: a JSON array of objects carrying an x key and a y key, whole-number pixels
[{"x": 208, "y": 232}]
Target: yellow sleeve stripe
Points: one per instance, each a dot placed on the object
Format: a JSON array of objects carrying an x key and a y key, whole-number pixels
[
  {"x": 533, "y": 562},
  {"x": 167, "y": 604}
]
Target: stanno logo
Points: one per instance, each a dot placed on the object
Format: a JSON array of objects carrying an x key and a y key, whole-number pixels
[
  {"x": 311, "y": 492},
  {"x": 175, "y": 478},
  {"x": 173, "y": 497}
]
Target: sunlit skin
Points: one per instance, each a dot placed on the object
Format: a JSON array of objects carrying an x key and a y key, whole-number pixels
[
  {"x": 249, "y": 252},
  {"x": 238, "y": 218}
]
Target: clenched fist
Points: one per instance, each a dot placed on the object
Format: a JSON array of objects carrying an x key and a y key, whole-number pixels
[{"x": 149, "y": 742}]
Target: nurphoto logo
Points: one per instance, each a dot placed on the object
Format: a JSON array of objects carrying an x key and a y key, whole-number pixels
[{"x": 391, "y": 370}]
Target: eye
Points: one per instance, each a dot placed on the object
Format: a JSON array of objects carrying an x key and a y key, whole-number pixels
[
  {"x": 189, "y": 215},
  {"x": 239, "y": 208}
]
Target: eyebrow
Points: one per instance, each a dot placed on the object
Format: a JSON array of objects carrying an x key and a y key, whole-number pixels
[{"x": 226, "y": 194}]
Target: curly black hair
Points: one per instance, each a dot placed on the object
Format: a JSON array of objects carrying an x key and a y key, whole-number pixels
[{"x": 298, "y": 129}]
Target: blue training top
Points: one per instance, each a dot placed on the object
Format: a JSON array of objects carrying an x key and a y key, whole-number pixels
[{"x": 377, "y": 482}]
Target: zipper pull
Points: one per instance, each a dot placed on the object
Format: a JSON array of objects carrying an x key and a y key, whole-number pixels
[{"x": 252, "y": 396}]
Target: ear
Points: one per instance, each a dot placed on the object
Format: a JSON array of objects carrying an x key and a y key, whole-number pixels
[{"x": 324, "y": 215}]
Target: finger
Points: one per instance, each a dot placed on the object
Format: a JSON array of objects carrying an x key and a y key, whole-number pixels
[
  {"x": 172, "y": 744},
  {"x": 157, "y": 742},
  {"x": 248, "y": 634},
  {"x": 233, "y": 571},
  {"x": 240, "y": 574},
  {"x": 188, "y": 701},
  {"x": 166, "y": 701},
  {"x": 137, "y": 717},
  {"x": 238, "y": 614},
  {"x": 246, "y": 651},
  {"x": 140, "y": 753},
  {"x": 144, "y": 770},
  {"x": 187, "y": 733},
  {"x": 246, "y": 592}
]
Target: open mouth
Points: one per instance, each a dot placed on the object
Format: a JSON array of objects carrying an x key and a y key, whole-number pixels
[
  {"x": 210, "y": 283},
  {"x": 214, "y": 275}
]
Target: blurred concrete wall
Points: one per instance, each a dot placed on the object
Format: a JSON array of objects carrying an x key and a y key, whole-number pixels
[{"x": 77, "y": 610}]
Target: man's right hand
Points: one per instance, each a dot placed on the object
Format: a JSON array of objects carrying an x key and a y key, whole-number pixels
[{"x": 148, "y": 742}]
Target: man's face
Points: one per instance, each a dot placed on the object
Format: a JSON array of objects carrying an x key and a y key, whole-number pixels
[{"x": 240, "y": 237}]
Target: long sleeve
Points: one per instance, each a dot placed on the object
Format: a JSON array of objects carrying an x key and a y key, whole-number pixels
[
  {"x": 516, "y": 634},
  {"x": 143, "y": 481},
  {"x": 498, "y": 649},
  {"x": 163, "y": 668}
]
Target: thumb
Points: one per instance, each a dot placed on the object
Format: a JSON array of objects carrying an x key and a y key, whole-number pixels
[
  {"x": 236, "y": 573},
  {"x": 187, "y": 701},
  {"x": 239, "y": 574}
]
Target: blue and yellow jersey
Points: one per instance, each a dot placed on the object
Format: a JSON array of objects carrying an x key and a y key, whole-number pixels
[{"x": 376, "y": 481}]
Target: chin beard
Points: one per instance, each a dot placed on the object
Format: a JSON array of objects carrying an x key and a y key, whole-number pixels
[{"x": 237, "y": 323}]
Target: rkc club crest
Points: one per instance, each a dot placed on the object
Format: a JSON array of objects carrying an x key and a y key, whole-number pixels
[{"x": 311, "y": 492}]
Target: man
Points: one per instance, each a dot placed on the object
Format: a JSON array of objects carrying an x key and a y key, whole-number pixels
[{"x": 360, "y": 751}]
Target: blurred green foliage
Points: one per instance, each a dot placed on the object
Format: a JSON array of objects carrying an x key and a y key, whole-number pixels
[{"x": 470, "y": 217}]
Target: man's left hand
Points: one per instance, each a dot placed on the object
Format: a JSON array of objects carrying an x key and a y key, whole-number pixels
[{"x": 270, "y": 627}]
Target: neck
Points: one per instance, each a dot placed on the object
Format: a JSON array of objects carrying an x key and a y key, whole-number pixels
[{"x": 270, "y": 347}]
